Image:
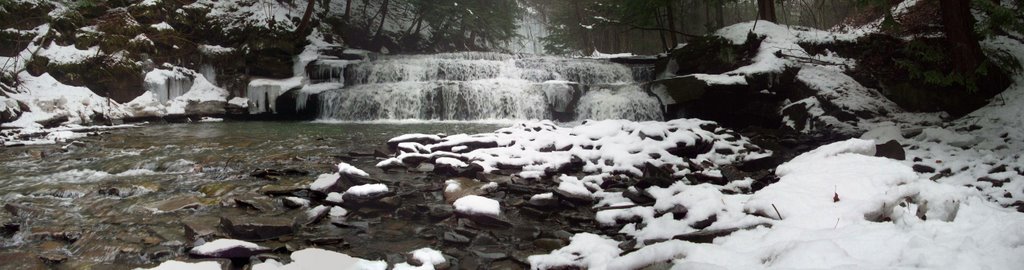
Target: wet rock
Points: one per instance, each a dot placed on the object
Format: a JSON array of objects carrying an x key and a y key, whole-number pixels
[
  {"x": 374, "y": 199},
  {"x": 200, "y": 228},
  {"x": 921, "y": 168},
  {"x": 294, "y": 202},
  {"x": 313, "y": 215},
  {"x": 53, "y": 257},
  {"x": 54, "y": 233},
  {"x": 526, "y": 233},
  {"x": 362, "y": 225},
  {"x": 21, "y": 260},
  {"x": 258, "y": 203},
  {"x": 543, "y": 201},
  {"x": 440, "y": 211},
  {"x": 176, "y": 203},
  {"x": 891, "y": 149},
  {"x": 455, "y": 238},
  {"x": 549, "y": 244},
  {"x": 459, "y": 187},
  {"x": 677, "y": 211},
  {"x": 23, "y": 211},
  {"x": 278, "y": 190},
  {"x": 273, "y": 174},
  {"x": 490, "y": 255},
  {"x": 257, "y": 228}
]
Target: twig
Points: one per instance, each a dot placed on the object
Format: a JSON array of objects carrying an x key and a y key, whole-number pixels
[{"x": 777, "y": 211}]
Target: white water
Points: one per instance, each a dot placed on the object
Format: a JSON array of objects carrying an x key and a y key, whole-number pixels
[{"x": 479, "y": 85}]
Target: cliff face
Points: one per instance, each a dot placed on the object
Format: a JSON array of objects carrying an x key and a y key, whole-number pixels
[{"x": 108, "y": 47}]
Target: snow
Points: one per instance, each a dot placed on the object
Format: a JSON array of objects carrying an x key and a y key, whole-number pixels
[
  {"x": 338, "y": 211},
  {"x": 367, "y": 189},
  {"x": 585, "y": 250},
  {"x": 146, "y": 105},
  {"x": 345, "y": 168},
  {"x": 428, "y": 256},
  {"x": 314, "y": 258},
  {"x": 219, "y": 245},
  {"x": 473, "y": 204},
  {"x": 48, "y": 99},
  {"x": 610, "y": 146},
  {"x": 214, "y": 49},
  {"x": 241, "y": 102},
  {"x": 162, "y": 26},
  {"x": 176, "y": 265},
  {"x": 720, "y": 79},
  {"x": 63, "y": 55},
  {"x": 335, "y": 197}
]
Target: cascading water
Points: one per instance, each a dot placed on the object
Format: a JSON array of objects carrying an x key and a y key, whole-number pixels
[{"x": 483, "y": 86}]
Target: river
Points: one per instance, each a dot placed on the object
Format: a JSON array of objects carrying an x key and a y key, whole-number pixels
[{"x": 120, "y": 200}]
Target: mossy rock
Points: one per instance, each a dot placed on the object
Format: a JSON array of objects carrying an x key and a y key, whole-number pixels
[
  {"x": 13, "y": 42},
  {"x": 119, "y": 79},
  {"x": 66, "y": 22},
  {"x": 711, "y": 55},
  {"x": 23, "y": 15},
  {"x": 119, "y": 22},
  {"x": 917, "y": 74}
]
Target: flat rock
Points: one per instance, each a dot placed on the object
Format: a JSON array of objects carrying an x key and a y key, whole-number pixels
[
  {"x": 257, "y": 228},
  {"x": 200, "y": 228}
]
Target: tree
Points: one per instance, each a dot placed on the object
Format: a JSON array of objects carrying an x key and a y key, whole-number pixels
[
  {"x": 766, "y": 10},
  {"x": 306, "y": 17},
  {"x": 958, "y": 24}
]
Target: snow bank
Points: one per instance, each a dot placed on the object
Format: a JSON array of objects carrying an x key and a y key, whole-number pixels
[
  {"x": 49, "y": 99},
  {"x": 314, "y": 258}
]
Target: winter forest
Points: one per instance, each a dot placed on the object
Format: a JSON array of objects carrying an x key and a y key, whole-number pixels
[{"x": 511, "y": 134}]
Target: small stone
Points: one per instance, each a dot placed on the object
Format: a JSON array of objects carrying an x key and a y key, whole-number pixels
[
  {"x": 921, "y": 168},
  {"x": 891, "y": 149}
]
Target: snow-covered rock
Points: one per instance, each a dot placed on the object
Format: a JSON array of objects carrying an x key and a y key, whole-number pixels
[
  {"x": 177, "y": 265},
  {"x": 227, "y": 248}
]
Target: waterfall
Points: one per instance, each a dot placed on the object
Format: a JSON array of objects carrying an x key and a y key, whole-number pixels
[{"x": 483, "y": 86}]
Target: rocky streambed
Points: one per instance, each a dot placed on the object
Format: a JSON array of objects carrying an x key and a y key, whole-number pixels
[{"x": 140, "y": 196}]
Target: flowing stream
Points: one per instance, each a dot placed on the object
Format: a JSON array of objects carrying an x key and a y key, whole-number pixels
[{"x": 119, "y": 200}]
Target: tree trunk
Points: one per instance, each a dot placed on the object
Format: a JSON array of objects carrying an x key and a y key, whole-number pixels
[
  {"x": 766, "y": 10},
  {"x": 383, "y": 18},
  {"x": 587, "y": 45},
  {"x": 672, "y": 24},
  {"x": 719, "y": 15},
  {"x": 657, "y": 18},
  {"x": 306, "y": 17},
  {"x": 348, "y": 10},
  {"x": 958, "y": 24}
]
